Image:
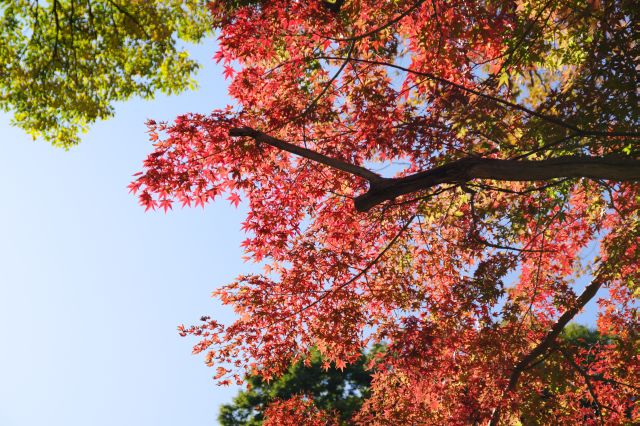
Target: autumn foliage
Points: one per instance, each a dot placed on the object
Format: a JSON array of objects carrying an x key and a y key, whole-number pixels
[
  {"x": 453, "y": 179},
  {"x": 295, "y": 411}
]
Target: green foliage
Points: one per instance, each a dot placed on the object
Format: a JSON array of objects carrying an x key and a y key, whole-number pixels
[
  {"x": 63, "y": 63},
  {"x": 579, "y": 335},
  {"x": 331, "y": 390}
]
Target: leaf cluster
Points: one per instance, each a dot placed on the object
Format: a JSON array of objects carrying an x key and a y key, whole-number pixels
[{"x": 63, "y": 63}]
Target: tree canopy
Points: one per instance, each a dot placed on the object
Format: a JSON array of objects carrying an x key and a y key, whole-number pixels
[
  {"x": 455, "y": 180},
  {"x": 63, "y": 63},
  {"x": 342, "y": 392}
]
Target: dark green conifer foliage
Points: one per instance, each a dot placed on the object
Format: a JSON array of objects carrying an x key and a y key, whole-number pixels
[{"x": 333, "y": 390}]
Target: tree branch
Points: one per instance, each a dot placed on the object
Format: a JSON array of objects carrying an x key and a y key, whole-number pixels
[
  {"x": 463, "y": 170},
  {"x": 587, "y": 380},
  {"x": 549, "y": 118},
  {"x": 549, "y": 341},
  {"x": 262, "y": 137},
  {"x": 57, "y": 21},
  {"x": 131, "y": 17},
  {"x": 466, "y": 169}
]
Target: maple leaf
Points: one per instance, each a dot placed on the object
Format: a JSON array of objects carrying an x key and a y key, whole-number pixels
[
  {"x": 228, "y": 71},
  {"x": 166, "y": 204},
  {"x": 234, "y": 199},
  {"x": 220, "y": 371}
]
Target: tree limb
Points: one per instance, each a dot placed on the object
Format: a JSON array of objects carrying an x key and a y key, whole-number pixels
[
  {"x": 549, "y": 341},
  {"x": 262, "y": 137},
  {"x": 467, "y": 169},
  {"x": 131, "y": 17},
  {"x": 463, "y": 170}
]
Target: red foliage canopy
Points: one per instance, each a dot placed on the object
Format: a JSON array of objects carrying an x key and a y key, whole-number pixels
[{"x": 504, "y": 138}]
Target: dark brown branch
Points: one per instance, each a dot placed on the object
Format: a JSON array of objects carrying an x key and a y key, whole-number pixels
[
  {"x": 475, "y": 232},
  {"x": 464, "y": 170},
  {"x": 262, "y": 137},
  {"x": 326, "y": 87},
  {"x": 549, "y": 340},
  {"x": 523, "y": 192}
]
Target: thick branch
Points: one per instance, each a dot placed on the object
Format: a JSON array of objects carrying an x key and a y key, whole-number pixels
[
  {"x": 613, "y": 168},
  {"x": 464, "y": 170},
  {"x": 131, "y": 17}
]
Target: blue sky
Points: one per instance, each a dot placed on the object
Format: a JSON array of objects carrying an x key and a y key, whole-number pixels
[{"x": 92, "y": 287}]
